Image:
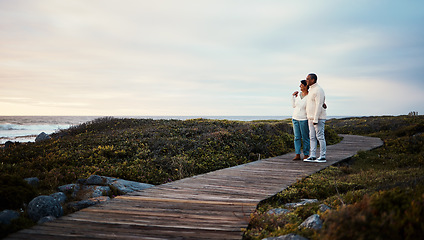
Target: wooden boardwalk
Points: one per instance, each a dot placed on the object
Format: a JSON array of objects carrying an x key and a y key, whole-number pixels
[{"x": 215, "y": 205}]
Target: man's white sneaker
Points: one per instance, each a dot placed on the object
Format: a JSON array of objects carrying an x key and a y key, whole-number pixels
[
  {"x": 310, "y": 159},
  {"x": 321, "y": 160}
]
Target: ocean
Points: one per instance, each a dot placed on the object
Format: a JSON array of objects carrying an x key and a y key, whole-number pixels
[{"x": 26, "y": 128}]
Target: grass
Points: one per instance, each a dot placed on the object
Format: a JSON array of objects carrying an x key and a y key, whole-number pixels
[{"x": 376, "y": 195}]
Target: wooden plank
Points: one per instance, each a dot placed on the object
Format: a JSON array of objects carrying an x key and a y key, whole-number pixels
[{"x": 214, "y": 205}]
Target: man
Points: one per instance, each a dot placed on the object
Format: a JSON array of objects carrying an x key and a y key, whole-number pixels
[{"x": 316, "y": 113}]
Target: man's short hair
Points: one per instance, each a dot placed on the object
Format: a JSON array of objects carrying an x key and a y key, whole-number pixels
[{"x": 313, "y": 76}]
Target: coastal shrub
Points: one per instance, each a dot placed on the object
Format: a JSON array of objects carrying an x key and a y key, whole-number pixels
[
  {"x": 381, "y": 125},
  {"x": 391, "y": 214},
  {"x": 15, "y": 192},
  {"x": 331, "y": 136},
  {"x": 321, "y": 185},
  {"x": 146, "y": 150},
  {"x": 263, "y": 225}
]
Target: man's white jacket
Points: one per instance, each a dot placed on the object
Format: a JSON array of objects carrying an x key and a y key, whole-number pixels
[{"x": 314, "y": 104}]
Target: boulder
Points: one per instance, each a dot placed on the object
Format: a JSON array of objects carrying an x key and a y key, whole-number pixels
[
  {"x": 323, "y": 208},
  {"x": 301, "y": 203},
  {"x": 43, "y": 206},
  {"x": 33, "y": 181},
  {"x": 42, "y": 137},
  {"x": 46, "y": 219},
  {"x": 125, "y": 186},
  {"x": 97, "y": 180},
  {"x": 90, "y": 191},
  {"x": 9, "y": 144},
  {"x": 75, "y": 206},
  {"x": 312, "y": 222},
  {"x": 68, "y": 188},
  {"x": 278, "y": 211},
  {"x": 290, "y": 236},
  {"x": 7, "y": 216},
  {"x": 59, "y": 196}
]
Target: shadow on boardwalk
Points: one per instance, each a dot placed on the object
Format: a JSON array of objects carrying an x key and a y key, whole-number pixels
[{"x": 215, "y": 205}]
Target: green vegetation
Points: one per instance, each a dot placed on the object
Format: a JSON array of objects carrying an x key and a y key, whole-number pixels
[
  {"x": 143, "y": 150},
  {"x": 375, "y": 195}
]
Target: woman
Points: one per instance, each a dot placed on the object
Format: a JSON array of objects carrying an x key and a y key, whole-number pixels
[{"x": 300, "y": 121}]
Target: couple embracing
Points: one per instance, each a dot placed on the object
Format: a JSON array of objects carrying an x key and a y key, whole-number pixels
[{"x": 309, "y": 120}]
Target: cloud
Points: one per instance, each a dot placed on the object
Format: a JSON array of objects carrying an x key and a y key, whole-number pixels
[{"x": 206, "y": 57}]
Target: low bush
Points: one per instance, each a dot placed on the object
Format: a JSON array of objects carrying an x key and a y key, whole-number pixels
[
  {"x": 15, "y": 192},
  {"x": 390, "y": 214}
]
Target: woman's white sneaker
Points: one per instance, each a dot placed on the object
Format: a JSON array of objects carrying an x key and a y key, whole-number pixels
[{"x": 321, "y": 160}]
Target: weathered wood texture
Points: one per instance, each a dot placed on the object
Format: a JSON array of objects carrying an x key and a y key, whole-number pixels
[{"x": 215, "y": 205}]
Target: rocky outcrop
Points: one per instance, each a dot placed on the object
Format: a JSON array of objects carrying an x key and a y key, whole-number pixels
[
  {"x": 68, "y": 188},
  {"x": 78, "y": 205},
  {"x": 42, "y": 137},
  {"x": 96, "y": 186},
  {"x": 90, "y": 191},
  {"x": 85, "y": 193},
  {"x": 125, "y": 186},
  {"x": 301, "y": 203},
  {"x": 278, "y": 211},
  {"x": 43, "y": 206},
  {"x": 10, "y": 144},
  {"x": 46, "y": 219},
  {"x": 312, "y": 222},
  {"x": 96, "y": 189},
  {"x": 60, "y": 197},
  {"x": 323, "y": 208}
]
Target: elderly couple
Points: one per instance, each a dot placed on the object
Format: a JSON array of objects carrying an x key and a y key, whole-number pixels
[{"x": 309, "y": 120}]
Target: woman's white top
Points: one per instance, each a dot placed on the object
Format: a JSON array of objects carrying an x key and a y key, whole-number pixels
[{"x": 299, "y": 105}]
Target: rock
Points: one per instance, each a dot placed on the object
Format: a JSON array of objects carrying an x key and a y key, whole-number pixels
[
  {"x": 90, "y": 191},
  {"x": 9, "y": 144},
  {"x": 6, "y": 216},
  {"x": 43, "y": 206},
  {"x": 42, "y": 137},
  {"x": 97, "y": 180},
  {"x": 290, "y": 236},
  {"x": 68, "y": 188},
  {"x": 323, "y": 208},
  {"x": 81, "y": 181},
  {"x": 125, "y": 186},
  {"x": 313, "y": 222},
  {"x": 46, "y": 219},
  {"x": 278, "y": 211},
  {"x": 87, "y": 203},
  {"x": 59, "y": 196},
  {"x": 32, "y": 181},
  {"x": 301, "y": 203}
]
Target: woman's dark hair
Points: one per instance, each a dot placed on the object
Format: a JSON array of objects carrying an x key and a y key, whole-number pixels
[{"x": 304, "y": 83}]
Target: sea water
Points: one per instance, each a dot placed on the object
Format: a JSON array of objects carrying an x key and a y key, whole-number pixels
[{"x": 27, "y": 128}]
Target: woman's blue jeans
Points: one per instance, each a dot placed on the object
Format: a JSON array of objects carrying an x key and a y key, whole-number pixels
[{"x": 301, "y": 134}]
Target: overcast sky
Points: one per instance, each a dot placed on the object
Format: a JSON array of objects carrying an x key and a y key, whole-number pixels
[{"x": 209, "y": 58}]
